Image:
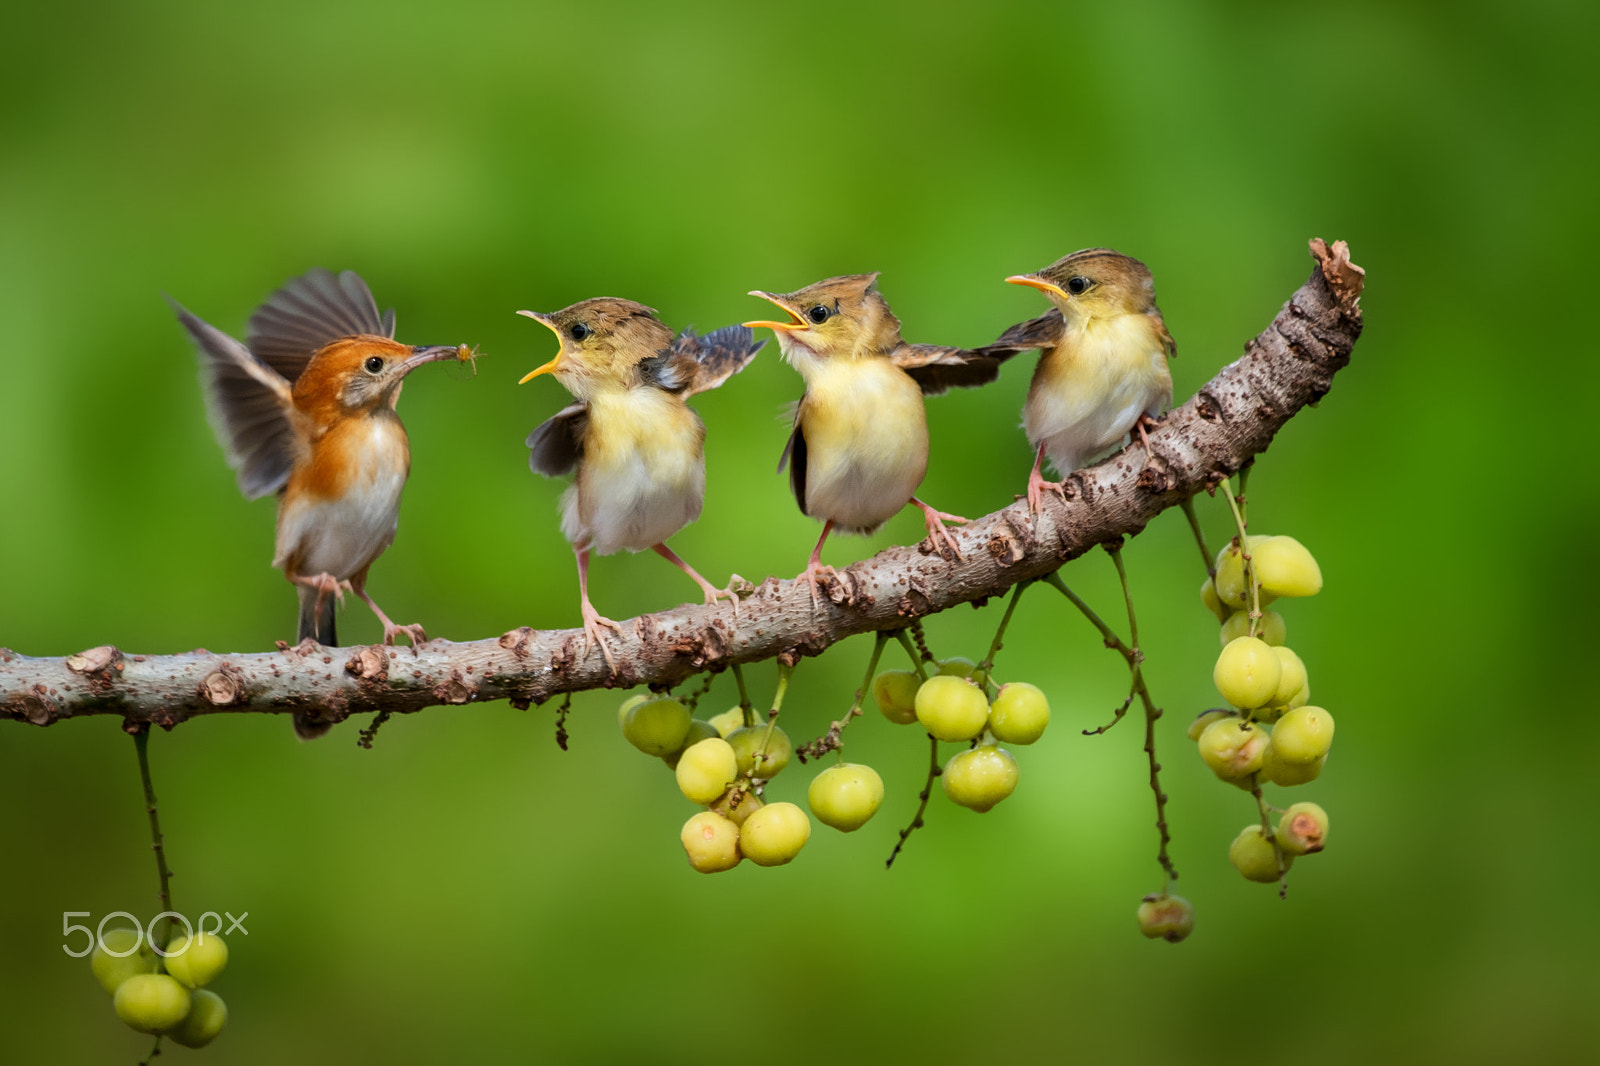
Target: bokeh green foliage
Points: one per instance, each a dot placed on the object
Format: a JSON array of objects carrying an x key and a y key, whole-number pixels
[{"x": 466, "y": 892}]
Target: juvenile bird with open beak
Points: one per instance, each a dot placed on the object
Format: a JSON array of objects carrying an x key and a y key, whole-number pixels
[
  {"x": 859, "y": 447},
  {"x": 1103, "y": 371},
  {"x": 637, "y": 447},
  {"x": 305, "y": 408}
]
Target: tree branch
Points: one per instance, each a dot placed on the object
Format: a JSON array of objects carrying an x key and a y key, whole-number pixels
[{"x": 1229, "y": 421}]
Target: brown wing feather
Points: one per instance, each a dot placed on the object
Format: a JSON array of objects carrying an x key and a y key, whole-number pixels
[
  {"x": 695, "y": 364},
  {"x": 310, "y": 312},
  {"x": 1168, "y": 345},
  {"x": 558, "y": 442}
]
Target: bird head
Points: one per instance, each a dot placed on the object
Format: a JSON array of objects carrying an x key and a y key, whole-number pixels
[
  {"x": 360, "y": 373},
  {"x": 1094, "y": 283},
  {"x": 843, "y": 317},
  {"x": 603, "y": 341}
]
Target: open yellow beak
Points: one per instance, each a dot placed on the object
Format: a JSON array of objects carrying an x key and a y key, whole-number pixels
[
  {"x": 1034, "y": 281},
  {"x": 550, "y": 367},
  {"x": 795, "y": 322}
]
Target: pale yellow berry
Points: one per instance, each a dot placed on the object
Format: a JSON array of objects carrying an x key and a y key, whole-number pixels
[
  {"x": 1289, "y": 774},
  {"x": 1247, "y": 673},
  {"x": 1253, "y": 855},
  {"x": 656, "y": 726},
  {"x": 1166, "y": 917},
  {"x": 1270, "y": 628},
  {"x": 845, "y": 796},
  {"x": 711, "y": 842},
  {"x": 951, "y": 707},
  {"x": 151, "y": 1002},
  {"x": 1231, "y": 589},
  {"x": 728, "y": 721},
  {"x": 706, "y": 769},
  {"x": 1208, "y": 598},
  {"x": 762, "y": 750},
  {"x": 1285, "y": 568},
  {"x": 196, "y": 960},
  {"x": 1302, "y": 829},
  {"x": 980, "y": 777},
  {"x": 1233, "y": 748},
  {"x": 1205, "y": 718},
  {"x": 896, "y": 694},
  {"x": 775, "y": 834},
  {"x": 1303, "y": 735},
  {"x": 1019, "y": 714},
  {"x": 1291, "y": 681},
  {"x": 737, "y": 804},
  {"x": 699, "y": 729},
  {"x": 111, "y": 970},
  {"x": 206, "y": 1018}
]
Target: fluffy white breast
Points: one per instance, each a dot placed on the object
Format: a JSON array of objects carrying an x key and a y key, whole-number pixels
[
  {"x": 866, "y": 438},
  {"x": 642, "y": 477},
  {"x": 339, "y": 536}
]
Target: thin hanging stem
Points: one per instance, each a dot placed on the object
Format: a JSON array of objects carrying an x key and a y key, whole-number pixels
[
  {"x": 1244, "y": 554},
  {"x": 980, "y": 676},
  {"x": 141, "y": 744},
  {"x": 832, "y": 740},
  {"x": 1206, "y": 558},
  {"x": 922, "y": 806},
  {"x": 744, "y": 697},
  {"x": 911, "y": 653}
]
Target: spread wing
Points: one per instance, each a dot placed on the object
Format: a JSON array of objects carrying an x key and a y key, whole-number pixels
[
  {"x": 250, "y": 407},
  {"x": 312, "y": 311},
  {"x": 1045, "y": 331},
  {"x": 698, "y": 364},
  {"x": 794, "y": 457},
  {"x": 558, "y": 443},
  {"x": 936, "y": 368}
]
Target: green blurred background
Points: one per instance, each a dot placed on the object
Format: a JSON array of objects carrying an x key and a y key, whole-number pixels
[{"x": 465, "y": 891}]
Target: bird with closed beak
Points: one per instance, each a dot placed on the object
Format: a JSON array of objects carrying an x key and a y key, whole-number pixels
[
  {"x": 305, "y": 408},
  {"x": 859, "y": 446},
  {"x": 1103, "y": 369},
  {"x": 637, "y": 447}
]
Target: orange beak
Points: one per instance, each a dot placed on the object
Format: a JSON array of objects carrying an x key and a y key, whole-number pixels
[
  {"x": 1034, "y": 281},
  {"x": 794, "y": 324},
  {"x": 552, "y": 365}
]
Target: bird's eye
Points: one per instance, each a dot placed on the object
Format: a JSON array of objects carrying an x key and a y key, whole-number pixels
[
  {"x": 579, "y": 331},
  {"x": 1078, "y": 285},
  {"x": 818, "y": 314},
  {"x": 373, "y": 365}
]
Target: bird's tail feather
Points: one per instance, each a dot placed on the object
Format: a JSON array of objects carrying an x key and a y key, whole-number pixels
[{"x": 318, "y": 625}]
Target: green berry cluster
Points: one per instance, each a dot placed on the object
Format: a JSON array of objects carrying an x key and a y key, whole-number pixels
[
  {"x": 1271, "y": 733},
  {"x": 167, "y": 996},
  {"x": 723, "y": 765},
  {"x": 953, "y": 706}
]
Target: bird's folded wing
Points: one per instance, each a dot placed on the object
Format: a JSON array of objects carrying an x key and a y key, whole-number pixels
[
  {"x": 794, "y": 457},
  {"x": 558, "y": 443},
  {"x": 250, "y": 405},
  {"x": 310, "y": 312},
  {"x": 695, "y": 364},
  {"x": 1168, "y": 345}
]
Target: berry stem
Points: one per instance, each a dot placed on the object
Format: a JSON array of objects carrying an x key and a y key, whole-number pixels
[
  {"x": 692, "y": 701},
  {"x": 1151, "y": 711},
  {"x": 154, "y": 1051},
  {"x": 1266, "y": 831},
  {"x": 1237, "y": 506},
  {"x": 141, "y": 745},
  {"x": 744, "y": 697},
  {"x": 1199, "y": 537},
  {"x": 785, "y": 671},
  {"x": 980, "y": 676},
  {"x": 833, "y": 740},
  {"x": 911, "y": 653},
  {"x": 922, "y": 807}
]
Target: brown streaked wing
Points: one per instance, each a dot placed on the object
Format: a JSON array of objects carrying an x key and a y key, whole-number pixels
[
  {"x": 698, "y": 364},
  {"x": 309, "y": 312}
]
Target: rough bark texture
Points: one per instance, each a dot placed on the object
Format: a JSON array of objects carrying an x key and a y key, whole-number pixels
[{"x": 1223, "y": 426}]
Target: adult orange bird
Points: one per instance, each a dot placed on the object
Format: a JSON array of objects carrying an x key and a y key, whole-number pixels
[{"x": 305, "y": 408}]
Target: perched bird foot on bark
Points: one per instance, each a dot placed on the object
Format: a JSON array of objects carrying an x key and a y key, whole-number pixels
[
  {"x": 935, "y": 521},
  {"x": 593, "y": 620},
  {"x": 1038, "y": 486},
  {"x": 711, "y": 591}
]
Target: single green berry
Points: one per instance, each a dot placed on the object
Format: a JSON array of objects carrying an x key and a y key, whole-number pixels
[
  {"x": 1285, "y": 568},
  {"x": 1292, "y": 679},
  {"x": 1233, "y": 748},
  {"x": 196, "y": 960},
  {"x": 706, "y": 769},
  {"x": 952, "y": 708},
  {"x": 1253, "y": 855},
  {"x": 1247, "y": 673},
  {"x": 1270, "y": 627},
  {"x": 896, "y": 693},
  {"x": 1302, "y": 735},
  {"x": 728, "y": 721},
  {"x": 1019, "y": 714},
  {"x": 627, "y": 707},
  {"x": 1230, "y": 584},
  {"x": 1302, "y": 829},
  {"x": 207, "y": 1017},
  {"x": 775, "y": 834},
  {"x": 113, "y": 969},
  {"x": 1205, "y": 718},
  {"x": 1289, "y": 774},
  {"x": 699, "y": 729},
  {"x": 151, "y": 1002},
  {"x": 711, "y": 842},
  {"x": 657, "y": 726},
  {"x": 980, "y": 777},
  {"x": 1208, "y": 597},
  {"x": 759, "y": 754},
  {"x": 845, "y": 796},
  {"x": 957, "y": 666},
  {"x": 1166, "y": 917}
]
